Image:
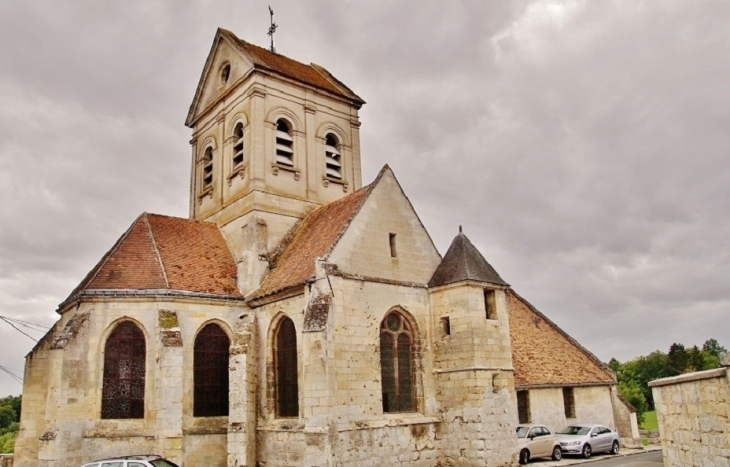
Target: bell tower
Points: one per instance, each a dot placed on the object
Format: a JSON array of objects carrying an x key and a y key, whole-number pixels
[{"x": 272, "y": 139}]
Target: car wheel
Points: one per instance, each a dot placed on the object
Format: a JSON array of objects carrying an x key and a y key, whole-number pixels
[
  {"x": 524, "y": 456},
  {"x": 586, "y": 450},
  {"x": 614, "y": 448},
  {"x": 557, "y": 453}
]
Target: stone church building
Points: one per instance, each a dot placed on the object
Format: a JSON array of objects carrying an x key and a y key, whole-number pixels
[{"x": 297, "y": 318}]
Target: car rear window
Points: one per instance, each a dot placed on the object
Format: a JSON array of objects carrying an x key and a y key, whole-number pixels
[{"x": 575, "y": 430}]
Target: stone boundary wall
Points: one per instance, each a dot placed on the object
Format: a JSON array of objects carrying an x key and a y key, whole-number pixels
[{"x": 693, "y": 411}]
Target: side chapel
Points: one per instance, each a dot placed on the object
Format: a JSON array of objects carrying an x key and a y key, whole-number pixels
[{"x": 296, "y": 318}]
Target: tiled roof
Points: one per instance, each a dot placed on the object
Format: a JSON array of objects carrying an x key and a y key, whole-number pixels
[
  {"x": 313, "y": 75},
  {"x": 314, "y": 238},
  {"x": 544, "y": 355},
  {"x": 464, "y": 262},
  {"x": 161, "y": 252}
]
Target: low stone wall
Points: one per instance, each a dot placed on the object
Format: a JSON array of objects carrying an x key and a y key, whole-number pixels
[
  {"x": 693, "y": 411},
  {"x": 6, "y": 460}
]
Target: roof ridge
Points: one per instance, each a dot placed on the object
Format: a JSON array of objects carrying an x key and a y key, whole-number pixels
[
  {"x": 157, "y": 251},
  {"x": 567, "y": 336}
]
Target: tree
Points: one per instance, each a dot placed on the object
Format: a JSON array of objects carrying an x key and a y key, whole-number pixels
[
  {"x": 633, "y": 393},
  {"x": 713, "y": 347},
  {"x": 678, "y": 359}
]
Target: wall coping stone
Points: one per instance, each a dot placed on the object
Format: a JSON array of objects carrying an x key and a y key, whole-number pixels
[{"x": 688, "y": 377}]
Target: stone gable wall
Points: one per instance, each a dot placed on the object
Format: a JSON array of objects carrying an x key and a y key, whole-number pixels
[{"x": 693, "y": 412}]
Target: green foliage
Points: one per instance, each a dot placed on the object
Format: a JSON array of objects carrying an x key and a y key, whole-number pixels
[
  {"x": 636, "y": 374},
  {"x": 713, "y": 347},
  {"x": 632, "y": 392},
  {"x": 9, "y": 420},
  {"x": 7, "y": 443}
]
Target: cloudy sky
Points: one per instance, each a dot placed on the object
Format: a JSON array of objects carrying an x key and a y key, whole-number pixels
[{"x": 584, "y": 146}]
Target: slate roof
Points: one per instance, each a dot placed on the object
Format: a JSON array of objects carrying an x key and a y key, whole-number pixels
[
  {"x": 464, "y": 262},
  {"x": 544, "y": 355},
  {"x": 315, "y": 237},
  {"x": 165, "y": 253}
]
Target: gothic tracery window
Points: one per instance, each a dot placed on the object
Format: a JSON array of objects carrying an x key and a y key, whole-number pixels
[
  {"x": 124, "y": 373},
  {"x": 210, "y": 372},
  {"x": 396, "y": 364},
  {"x": 287, "y": 387}
]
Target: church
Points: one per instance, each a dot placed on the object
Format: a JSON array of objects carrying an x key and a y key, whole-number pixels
[{"x": 297, "y": 317}]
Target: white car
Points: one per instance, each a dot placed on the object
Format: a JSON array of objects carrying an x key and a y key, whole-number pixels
[
  {"x": 535, "y": 441},
  {"x": 142, "y": 460},
  {"x": 584, "y": 440}
]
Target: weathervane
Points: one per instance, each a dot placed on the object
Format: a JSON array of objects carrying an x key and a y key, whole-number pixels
[{"x": 272, "y": 29}]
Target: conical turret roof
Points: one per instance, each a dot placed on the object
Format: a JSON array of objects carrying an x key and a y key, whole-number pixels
[{"x": 464, "y": 262}]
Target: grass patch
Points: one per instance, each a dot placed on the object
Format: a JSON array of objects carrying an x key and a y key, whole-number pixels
[{"x": 650, "y": 422}]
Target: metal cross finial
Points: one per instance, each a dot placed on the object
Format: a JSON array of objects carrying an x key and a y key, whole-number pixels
[{"x": 272, "y": 29}]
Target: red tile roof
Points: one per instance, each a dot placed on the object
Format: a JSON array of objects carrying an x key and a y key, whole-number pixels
[
  {"x": 161, "y": 252},
  {"x": 544, "y": 355},
  {"x": 314, "y": 238},
  {"x": 313, "y": 75}
]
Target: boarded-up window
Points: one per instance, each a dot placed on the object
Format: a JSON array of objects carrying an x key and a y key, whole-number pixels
[
  {"x": 523, "y": 406},
  {"x": 124, "y": 373},
  {"x": 287, "y": 387},
  {"x": 569, "y": 402},
  {"x": 396, "y": 364},
  {"x": 210, "y": 372}
]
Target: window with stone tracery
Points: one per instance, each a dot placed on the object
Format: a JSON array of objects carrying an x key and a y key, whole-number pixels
[
  {"x": 124, "y": 373},
  {"x": 287, "y": 386},
  {"x": 210, "y": 372},
  {"x": 396, "y": 364}
]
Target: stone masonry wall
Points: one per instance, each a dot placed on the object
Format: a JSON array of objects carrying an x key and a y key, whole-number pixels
[{"x": 693, "y": 411}]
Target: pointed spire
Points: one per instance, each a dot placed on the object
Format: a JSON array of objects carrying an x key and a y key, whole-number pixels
[{"x": 464, "y": 262}]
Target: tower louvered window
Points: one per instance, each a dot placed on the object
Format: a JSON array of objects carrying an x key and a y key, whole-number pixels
[
  {"x": 287, "y": 386},
  {"x": 124, "y": 373},
  {"x": 208, "y": 167},
  {"x": 238, "y": 146},
  {"x": 396, "y": 364},
  {"x": 210, "y": 372},
  {"x": 333, "y": 159},
  {"x": 284, "y": 143}
]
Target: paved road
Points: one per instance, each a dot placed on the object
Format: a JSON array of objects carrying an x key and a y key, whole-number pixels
[{"x": 649, "y": 459}]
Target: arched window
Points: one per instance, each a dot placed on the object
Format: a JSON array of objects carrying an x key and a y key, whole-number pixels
[
  {"x": 287, "y": 387},
  {"x": 332, "y": 157},
  {"x": 124, "y": 373},
  {"x": 284, "y": 143},
  {"x": 396, "y": 364},
  {"x": 238, "y": 145},
  {"x": 208, "y": 167},
  {"x": 210, "y": 372}
]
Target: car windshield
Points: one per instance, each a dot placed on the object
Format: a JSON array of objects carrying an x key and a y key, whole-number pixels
[
  {"x": 575, "y": 430},
  {"x": 522, "y": 431}
]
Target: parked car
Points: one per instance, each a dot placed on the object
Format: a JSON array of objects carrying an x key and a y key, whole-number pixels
[
  {"x": 584, "y": 440},
  {"x": 535, "y": 441},
  {"x": 141, "y": 460}
]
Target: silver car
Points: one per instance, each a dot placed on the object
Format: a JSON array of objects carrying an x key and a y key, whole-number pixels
[
  {"x": 535, "y": 441},
  {"x": 141, "y": 460},
  {"x": 584, "y": 440}
]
